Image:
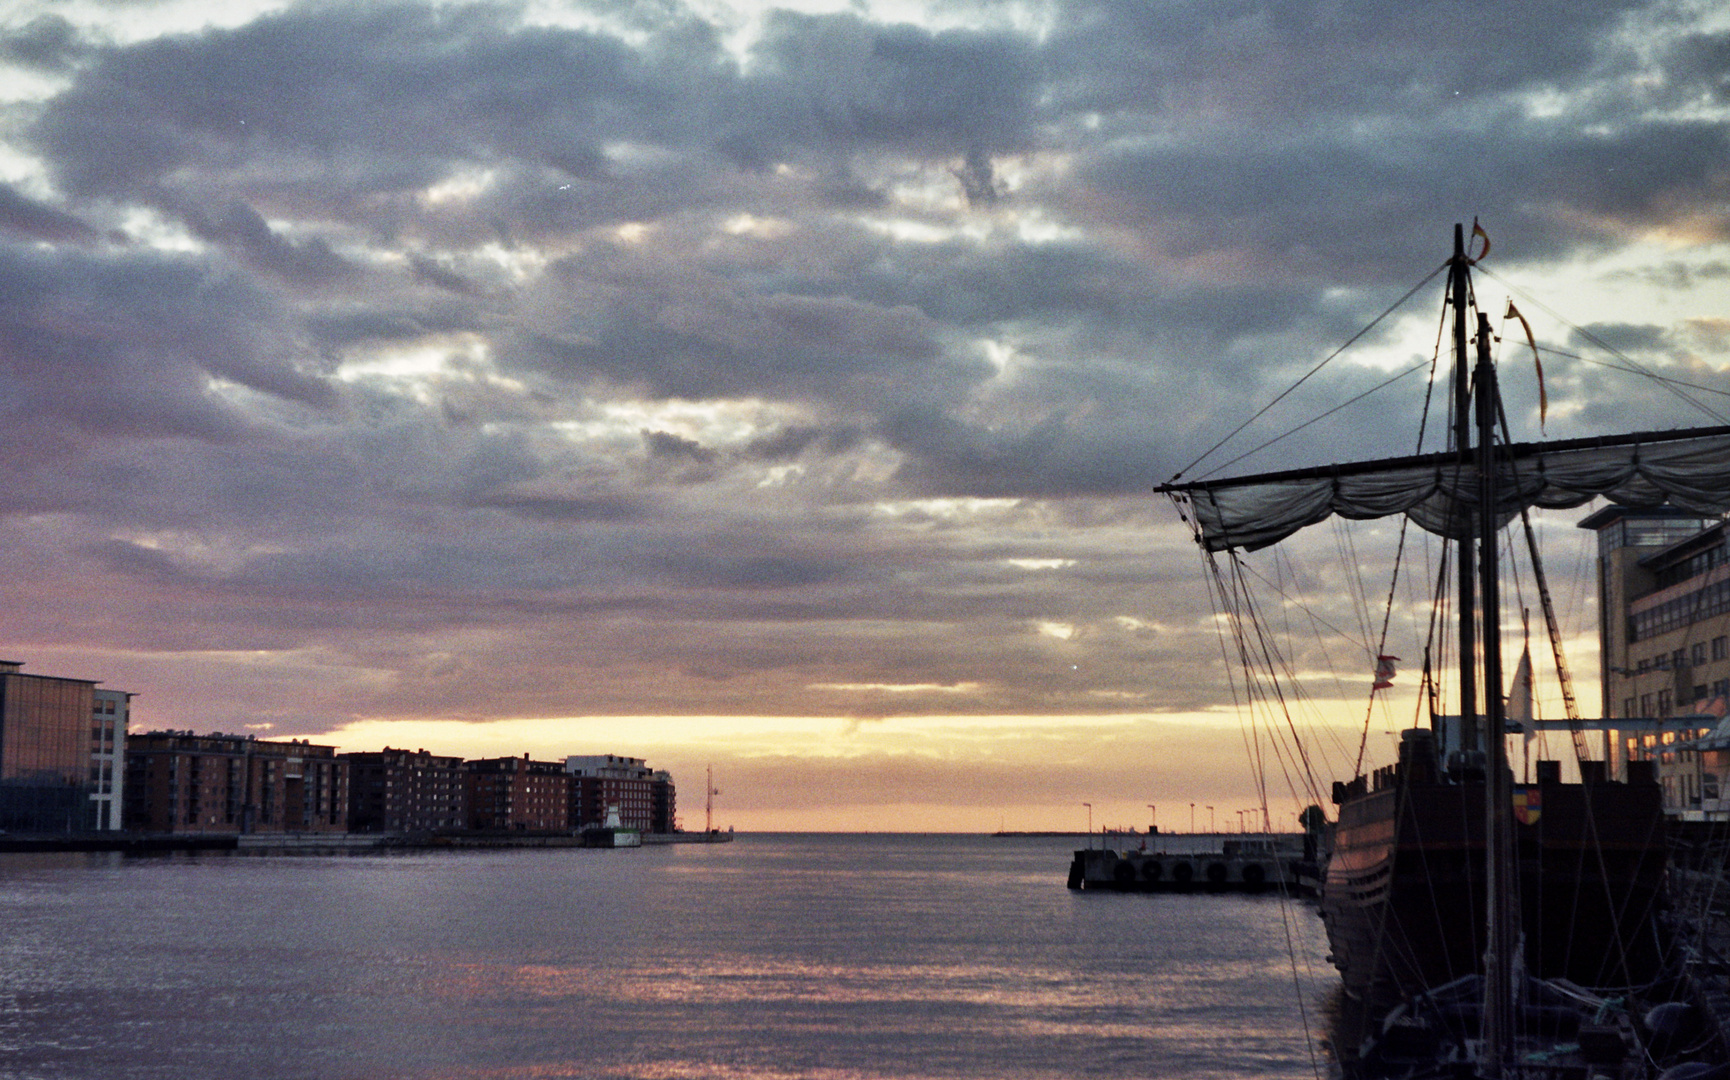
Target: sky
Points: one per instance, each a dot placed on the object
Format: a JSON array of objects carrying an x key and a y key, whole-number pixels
[{"x": 782, "y": 388}]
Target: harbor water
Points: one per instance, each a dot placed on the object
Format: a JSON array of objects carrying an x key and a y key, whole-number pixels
[{"x": 836, "y": 957}]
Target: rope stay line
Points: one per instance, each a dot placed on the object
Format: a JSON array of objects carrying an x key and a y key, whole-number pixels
[
  {"x": 1306, "y": 377},
  {"x": 1633, "y": 366}
]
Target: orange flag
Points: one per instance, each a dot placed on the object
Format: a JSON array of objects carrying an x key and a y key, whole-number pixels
[
  {"x": 1478, "y": 232},
  {"x": 1543, "y": 396}
]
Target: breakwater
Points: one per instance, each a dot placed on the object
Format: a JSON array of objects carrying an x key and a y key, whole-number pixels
[{"x": 320, "y": 843}]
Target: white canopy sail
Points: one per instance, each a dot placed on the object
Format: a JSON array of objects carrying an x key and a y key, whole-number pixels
[{"x": 1688, "y": 468}]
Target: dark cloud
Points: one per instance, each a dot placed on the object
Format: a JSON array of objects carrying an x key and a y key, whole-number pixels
[
  {"x": 45, "y": 43},
  {"x": 29, "y": 217},
  {"x": 136, "y": 561},
  {"x": 432, "y": 272},
  {"x": 663, "y": 444},
  {"x": 1304, "y": 61},
  {"x": 547, "y": 508},
  {"x": 127, "y": 343},
  {"x": 769, "y": 570},
  {"x": 1700, "y": 63},
  {"x": 837, "y": 80},
  {"x": 310, "y": 262},
  {"x": 704, "y": 343},
  {"x": 340, "y": 111},
  {"x": 790, "y": 442},
  {"x": 1623, "y": 337},
  {"x": 346, "y": 327}
]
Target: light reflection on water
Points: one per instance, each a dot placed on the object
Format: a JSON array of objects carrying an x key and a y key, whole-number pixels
[{"x": 830, "y": 957}]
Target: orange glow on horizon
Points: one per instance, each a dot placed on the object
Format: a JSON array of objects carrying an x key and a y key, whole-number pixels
[{"x": 959, "y": 774}]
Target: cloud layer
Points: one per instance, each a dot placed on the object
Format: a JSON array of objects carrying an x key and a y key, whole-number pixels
[{"x": 401, "y": 361}]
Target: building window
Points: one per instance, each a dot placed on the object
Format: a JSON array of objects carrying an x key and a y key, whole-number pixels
[
  {"x": 1703, "y": 603},
  {"x": 1721, "y": 648},
  {"x": 1664, "y": 703},
  {"x": 1698, "y": 653}
]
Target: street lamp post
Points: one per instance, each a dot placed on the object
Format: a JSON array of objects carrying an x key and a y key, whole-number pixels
[
  {"x": 1210, "y": 819},
  {"x": 1192, "y": 818},
  {"x": 1089, "y": 823},
  {"x": 1152, "y": 818}
]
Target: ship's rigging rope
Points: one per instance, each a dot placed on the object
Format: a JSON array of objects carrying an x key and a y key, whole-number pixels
[
  {"x": 1564, "y": 678},
  {"x": 1257, "y": 655},
  {"x": 1675, "y": 386},
  {"x": 1383, "y": 385},
  {"x": 1540, "y": 581},
  {"x": 1253, "y": 744},
  {"x": 1395, "y": 306},
  {"x": 1234, "y": 600},
  {"x": 1382, "y": 642}
]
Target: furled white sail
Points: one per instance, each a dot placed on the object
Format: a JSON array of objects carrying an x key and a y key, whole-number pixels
[{"x": 1688, "y": 469}]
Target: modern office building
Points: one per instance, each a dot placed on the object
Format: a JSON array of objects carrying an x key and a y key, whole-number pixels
[
  {"x": 518, "y": 795},
  {"x": 1664, "y": 590},
  {"x": 59, "y": 752},
  {"x": 406, "y": 791},
  {"x": 179, "y": 782},
  {"x": 109, "y": 710},
  {"x": 645, "y": 798}
]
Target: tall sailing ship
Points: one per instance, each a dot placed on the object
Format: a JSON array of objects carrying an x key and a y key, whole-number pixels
[{"x": 1484, "y": 927}]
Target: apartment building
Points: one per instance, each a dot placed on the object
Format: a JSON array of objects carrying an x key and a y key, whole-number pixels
[
  {"x": 180, "y": 782},
  {"x": 406, "y": 791},
  {"x": 645, "y": 798},
  {"x": 518, "y": 795}
]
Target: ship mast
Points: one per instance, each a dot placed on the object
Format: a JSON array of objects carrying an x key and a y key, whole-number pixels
[
  {"x": 1500, "y": 932},
  {"x": 1475, "y": 398},
  {"x": 1458, "y": 286},
  {"x": 1499, "y": 913}
]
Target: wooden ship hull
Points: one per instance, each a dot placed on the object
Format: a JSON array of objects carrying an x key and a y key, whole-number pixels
[{"x": 1403, "y": 897}]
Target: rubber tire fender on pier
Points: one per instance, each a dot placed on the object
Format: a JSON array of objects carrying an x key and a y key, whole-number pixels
[
  {"x": 1182, "y": 873},
  {"x": 1151, "y": 870},
  {"x": 1253, "y": 874},
  {"x": 1217, "y": 873}
]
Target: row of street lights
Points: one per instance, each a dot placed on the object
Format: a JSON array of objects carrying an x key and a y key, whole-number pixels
[{"x": 1153, "y": 817}]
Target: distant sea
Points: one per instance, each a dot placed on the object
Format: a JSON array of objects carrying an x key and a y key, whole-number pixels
[{"x": 834, "y": 957}]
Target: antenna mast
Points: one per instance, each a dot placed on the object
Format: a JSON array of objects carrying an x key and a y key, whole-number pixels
[{"x": 709, "y": 794}]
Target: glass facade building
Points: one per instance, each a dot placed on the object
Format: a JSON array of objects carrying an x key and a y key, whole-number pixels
[{"x": 45, "y": 752}]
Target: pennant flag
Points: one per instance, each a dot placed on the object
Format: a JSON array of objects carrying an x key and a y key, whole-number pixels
[
  {"x": 1718, "y": 706},
  {"x": 1384, "y": 673},
  {"x": 1537, "y": 362},
  {"x": 1520, "y": 696},
  {"x": 1528, "y": 804},
  {"x": 1479, "y": 233}
]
